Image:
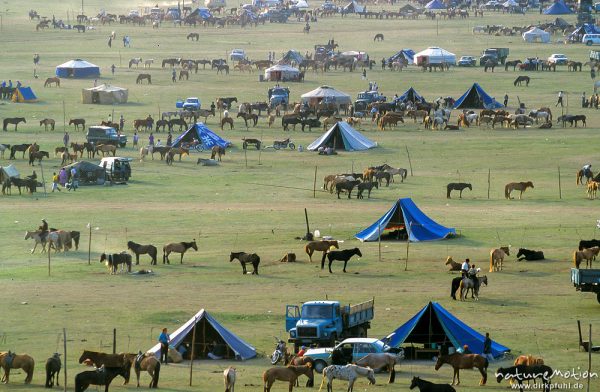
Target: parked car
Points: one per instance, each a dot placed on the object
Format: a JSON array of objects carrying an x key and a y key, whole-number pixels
[
  {"x": 117, "y": 169},
  {"x": 353, "y": 349},
  {"x": 100, "y": 134},
  {"x": 191, "y": 103},
  {"x": 467, "y": 61},
  {"x": 591, "y": 39},
  {"x": 237, "y": 55},
  {"x": 558, "y": 59}
]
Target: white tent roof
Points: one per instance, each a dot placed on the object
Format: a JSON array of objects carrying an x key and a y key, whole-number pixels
[
  {"x": 536, "y": 33},
  {"x": 10, "y": 171},
  {"x": 301, "y": 4},
  {"x": 106, "y": 88},
  {"x": 510, "y": 3},
  {"x": 77, "y": 63},
  {"x": 282, "y": 68},
  {"x": 436, "y": 55},
  {"x": 330, "y": 92}
]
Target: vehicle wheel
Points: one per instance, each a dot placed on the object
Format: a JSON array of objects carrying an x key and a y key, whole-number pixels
[
  {"x": 276, "y": 357},
  {"x": 276, "y": 146},
  {"x": 320, "y": 365},
  {"x": 598, "y": 297},
  {"x": 589, "y": 43},
  {"x": 292, "y": 146}
]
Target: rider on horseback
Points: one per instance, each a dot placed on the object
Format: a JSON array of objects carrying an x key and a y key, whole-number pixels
[
  {"x": 472, "y": 274},
  {"x": 464, "y": 269},
  {"x": 587, "y": 170},
  {"x": 43, "y": 230}
]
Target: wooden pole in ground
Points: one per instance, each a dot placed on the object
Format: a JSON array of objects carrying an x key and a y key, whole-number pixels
[
  {"x": 246, "y": 157},
  {"x": 409, "y": 162},
  {"x": 379, "y": 239},
  {"x": 114, "y": 340},
  {"x": 406, "y": 261},
  {"x": 64, "y": 117},
  {"x": 306, "y": 218},
  {"x": 65, "y": 357},
  {"x": 559, "y": 185},
  {"x": 90, "y": 245},
  {"x": 315, "y": 184},
  {"x": 193, "y": 350},
  {"x": 260, "y": 148},
  {"x": 489, "y": 173},
  {"x": 589, "y": 359},
  {"x": 48, "y": 255}
]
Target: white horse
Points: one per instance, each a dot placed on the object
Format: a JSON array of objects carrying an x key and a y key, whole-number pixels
[
  {"x": 229, "y": 378},
  {"x": 136, "y": 61},
  {"x": 537, "y": 115},
  {"x": 144, "y": 151},
  {"x": 35, "y": 235},
  {"x": 148, "y": 63},
  {"x": 349, "y": 373},
  {"x": 479, "y": 29}
]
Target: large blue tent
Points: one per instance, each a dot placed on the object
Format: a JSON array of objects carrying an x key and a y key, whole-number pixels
[
  {"x": 406, "y": 215},
  {"x": 407, "y": 54},
  {"x": 558, "y": 8},
  {"x": 435, "y": 5},
  {"x": 476, "y": 98},
  {"x": 435, "y": 325},
  {"x": 341, "y": 136},
  {"x": 209, "y": 330},
  {"x": 410, "y": 95},
  {"x": 200, "y": 132},
  {"x": 77, "y": 69}
]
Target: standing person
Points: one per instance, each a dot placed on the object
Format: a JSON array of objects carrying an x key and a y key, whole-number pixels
[
  {"x": 66, "y": 139},
  {"x": 36, "y": 59},
  {"x": 174, "y": 76},
  {"x": 593, "y": 73},
  {"x": 121, "y": 122},
  {"x": 62, "y": 177},
  {"x": 383, "y": 64},
  {"x": 164, "y": 340},
  {"x": 583, "y": 100},
  {"x": 560, "y": 99},
  {"x": 110, "y": 41},
  {"x": 112, "y": 69},
  {"x": 487, "y": 347},
  {"x": 169, "y": 139},
  {"x": 151, "y": 139},
  {"x": 55, "y": 182},
  {"x": 506, "y": 100},
  {"x": 124, "y": 40},
  {"x": 364, "y": 74},
  {"x": 74, "y": 181},
  {"x": 136, "y": 138}
]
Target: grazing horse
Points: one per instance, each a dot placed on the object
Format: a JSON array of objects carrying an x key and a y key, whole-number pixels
[
  {"x": 428, "y": 386},
  {"x": 10, "y": 360},
  {"x": 113, "y": 260},
  {"x": 454, "y": 266},
  {"x": 379, "y": 361},
  {"x": 588, "y": 255},
  {"x": 289, "y": 373},
  {"x": 39, "y": 155},
  {"x": 521, "y": 373},
  {"x": 322, "y": 246},
  {"x": 217, "y": 151},
  {"x": 53, "y": 365},
  {"x": 138, "y": 250},
  {"x": 519, "y": 186},
  {"x": 143, "y": 76},
  {"x": 521, "y": 79},
  {"x": 77, "y": 122},
  {"x": 342, "y": 255},
  {"x": 102, "y": 376},
  {"x": 464, "y": 361},
  {"x": 368, "y": 186},
  {"x": 457, "y": 186},
  {"x": 14, "y": 120},
  {"x": 588, "y": 176},
  {"x": 529, "y": 255},
  {"x": 136, "y": 61},
  {"x": 244, "y": 258},
  {"x": 178, "y": 247},
  {"x": 497, "y": 257},
  {"x": 28, "y": 183},
  {"x": 345, "y": 186},
  {"x": 149, "y": 363},
  {"x": 221, "y": 68},
  {"x": 227, "y": 120},
  {"x": 378, "y": 37},
  {"x": 349, "y": 373},
  {"x": 51, "y": 81},
  {"x": 48, "y": 121},
  {"x": 229, "y": 379}
]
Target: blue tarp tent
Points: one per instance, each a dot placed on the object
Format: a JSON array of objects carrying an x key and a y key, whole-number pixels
[
  {"x": 200, "y": 132},
  {"x": 24, "y": 95},
  {"x": 292, "y": 56},
  {"x": 77, "y": 69},
  {"x": 353, "y": 7},
  {"x": 558, "y": 8},
  {"x": 341, "y": 136},
  {"x": 435, "y": 325},
  {"x": 208, "y": 330},
  {"x": 410, "y": 95},
  {"x": 435, "y": 5},
  {"x": 204, "y": 13},
  {"x": 476, "y": 98},
  {"x": 586, "y": 28},
  {"x": 406, "y": 215},
  {"x": 408, "y": 54}
]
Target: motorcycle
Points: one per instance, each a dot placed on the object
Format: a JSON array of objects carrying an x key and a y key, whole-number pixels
[
  {"x": 279, "y": 144},
  {"x": 280, "y": 351}
]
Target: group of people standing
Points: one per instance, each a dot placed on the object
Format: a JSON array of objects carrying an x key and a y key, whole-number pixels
[{"x": 66, "y": 178}]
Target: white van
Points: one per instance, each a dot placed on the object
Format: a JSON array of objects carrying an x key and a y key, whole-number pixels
[{"x": 591, "y": 39}]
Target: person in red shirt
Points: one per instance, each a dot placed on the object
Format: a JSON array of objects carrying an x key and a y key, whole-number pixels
[{"x": 301, "y": 352}]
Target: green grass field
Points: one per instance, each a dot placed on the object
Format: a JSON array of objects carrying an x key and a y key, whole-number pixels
[{"x": 255, "y": 202}]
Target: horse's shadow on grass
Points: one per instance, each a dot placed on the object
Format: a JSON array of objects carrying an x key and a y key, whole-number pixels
[{"x": 501, "y": 301}]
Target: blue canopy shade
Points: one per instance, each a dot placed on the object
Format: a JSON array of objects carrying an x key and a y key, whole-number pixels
[
  {"x": 200, "y": 132},
  {"x": 341, "y": 136},
  {"x": 435, "y": 5},
  {"x": 476, "y": 98},
  {"x": 408, "y": 54},
  {"x": 434, "y": 324},
  {"x": 405, "y": 214},
  {"x": 558, "y": 8},
  {"x": 24, "y": 94},
  {"x": 77, "y": 69},
  {"x": 240, "y": 348}
]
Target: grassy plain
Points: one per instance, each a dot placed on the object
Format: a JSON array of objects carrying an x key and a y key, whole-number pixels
[{"x": 530, "y": 307}]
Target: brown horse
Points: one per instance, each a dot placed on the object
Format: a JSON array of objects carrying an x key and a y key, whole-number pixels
[
  {"x": 588, "y": 254},
  {"x": 588, "y": 176},
  {"x": 77, "y": 122},
  {"x": 143, "y": 76},
  {"x": 177, "y": 247},
  {"x": 292, "y": 360},
  {"x": 107, "y": 148},
  {"x": 290, "y": 374},
  {"x": 48, "y": 121},
  {"x": 379, "y": 361},
  {"x": 322, "y": 246},
  {"x": 519, "y": 186},
  {"x": 217, "y": 151},
  {"x": 454, "y": 266},
  {"x": 497, "y": 257},
  {"x": 98, "y": 359},
  {"x": 149, "y": 363},
  {"x": 17, "y": 361},
  {"x": 227, "y": 120},
  {"x": 464, "y": 361},
  {"x": 51, "y": 81},
  {"x": 528, "y": 360}
]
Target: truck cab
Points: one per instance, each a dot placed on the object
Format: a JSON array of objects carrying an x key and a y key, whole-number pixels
[
  {"x": 497, "y": 54},
  {"x": 365, "y": 98},
  {"x": 118, "y": 169},
  {"x": 277, "y": 95},
  {"x": 100, "y": 134},
  {"x": 192, "y": 103}
]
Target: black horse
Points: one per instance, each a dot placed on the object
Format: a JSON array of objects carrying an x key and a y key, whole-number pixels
[
  {"x": 368, "y": 186},
  {"x": 114, "y": 259},
  {"x": 53, "y": 365},
  {"x": 584, "y": 244},
  {"x": 457, "y": 186},
  {"x": 28, "y": 183},
  {"x": 530, "y": 255},
  {"x": 428, "y": 386},
  {"x": 142, "y": 249},
  {"x": 101, "y": 376},
  {"x": 177, "y": 121},
  {"x": 14, "y": 120},
  {"x": 18, "y": 147},
  {"x": 342, "y": 255},
  {"x": 521, "y": 373},
  {"x": 345, "y": 186},
  {"x": 244, "y": 258}
]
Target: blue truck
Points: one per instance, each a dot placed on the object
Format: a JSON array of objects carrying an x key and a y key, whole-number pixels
[
  {"x": 322, "y": 323},
  {"x": 277, "y": 95},
  {"x": 586, "y": 280},
  {"x": 191, "y": 104}
]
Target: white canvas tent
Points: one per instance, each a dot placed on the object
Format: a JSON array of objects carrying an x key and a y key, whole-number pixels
[
  {"x": 301, "y": 4},
  {"x": 7, "y": 172},
  {"x": 326, "y": 94},
  {"x": 104, "y": 94},
  {"x": 536, "y": 35},
  {"x": 281, "y": 73},
  {"x": 434, "y": 55}
]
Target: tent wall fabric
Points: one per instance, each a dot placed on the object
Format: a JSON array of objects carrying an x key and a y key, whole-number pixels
[
  {"x": 558, "y": 8},
  {"x": 203, "y": 134},
  {"x": 241, "y": 349},
  {"x": 353, "y": 7},
  {"x": 434, "y": 55},
  {"x": 476, "y": 98},
  {"x": 435, "y": 5},
  {"x": 405, "y": 212},
  {"x": 104, "y": 94},
  {"x": 408, "y": 54},
  {"x": 77, "y": 69},
  {"x": 281, "y": 73},
  {"x": 89, "y": 173},
  {"x": 424, "y": 328},
  {"x": 536, "y": 35},
  {"x": 326, "y": 94},
  {"x": 24, "y": 95},
  {"x": 291, "y": 56},
  {"x": 410, "y": 95},
  {"x": 7, "y": 172},
  {"x": 341, "y": 136}
]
